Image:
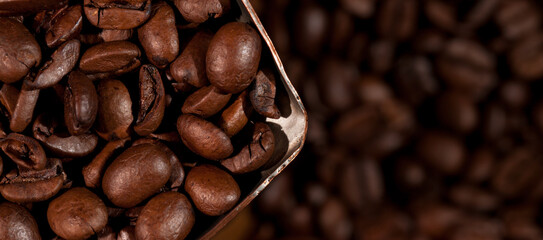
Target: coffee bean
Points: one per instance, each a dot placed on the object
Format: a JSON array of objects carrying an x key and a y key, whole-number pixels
[
  {"x": 26, "y": 186},
  {"x": 152, "y": 101},
  {"x": 20, "y": 50},
  {"x": 77, "y": 214},
  {"x": 255, "y": 154},
  {"x": 233, "y": 56},
  {"x": 203, "y": 137},
  {"x": 212, "y": 190},
  {"x": 110, "y": 14},
  {"x": 198, "y": 12},
  {"x": 171, "y": 212},
  {"x": 80, "y": 103},
  {"x": 17, "y": 223},
  {"x": 136, "y": 174},
  {"x": 45, "y": 129},
  {"x": 205, "y": 102},
  {"x": 235, "y": 117},
  {"x": 116, "y": 57},
  {"x": 114, "y": 111},
  {"x": 26, "y": 152},
  {"x": 158, "y": 36},
  {"x": 262, "y": 94},
  {"x": 65, "y": 26}
]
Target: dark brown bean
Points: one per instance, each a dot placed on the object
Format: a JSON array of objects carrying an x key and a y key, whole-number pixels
[
  {"x": 77, "y": 214},
  {"x": 204, "y": 138},
  {"x": 397, "y": 19},
  {"x": 442, "y": 151},
  {"x": 152, "y": 101},
  {"x": 167, "y": 216},
  {"x": 62, "y": 61},
  {"x": 24, "y": 110},
  {"x": 127, "y": 233},
  {"x": 19, "y": 49},
  {"x": 158, "y": 36},
  {"x": 80, "y": 103},
  {"x": 114, "y": 110},
  {"x": 526, "y": 57},
  {"x": 234, "y": 117},
  {"x": 262, "y": 94},
  {"x": 136, "y": 174},
  {"x": 189, "y": 67},
  {"x": 255, "y": 154},
  {"x": 516, "y": 173},
  {"x": 198, "y": 11},
  {"x": 61, "y": 144},
  {"x": 14, "y": 8},
  {"x": 26, "y": 152},
  {"x": 16, "y": 223},
  {"x": 111, "y": 14},
  {"x": 33, "y": 186},
  {"x": 65, "y": 26},
  {"x": 233, "y": 56},
  {"x": 205, "y": 102},
  {"x": 110, "y": 57},
  {"x": 212, "y": 190}
]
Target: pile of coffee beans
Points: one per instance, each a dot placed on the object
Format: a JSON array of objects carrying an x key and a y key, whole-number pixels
[
  {"x": 425, "y": 120},
  {"x": 134, "y": 119}
]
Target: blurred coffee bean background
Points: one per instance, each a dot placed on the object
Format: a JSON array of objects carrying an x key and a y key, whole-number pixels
[{"x": 425, "y": 121}]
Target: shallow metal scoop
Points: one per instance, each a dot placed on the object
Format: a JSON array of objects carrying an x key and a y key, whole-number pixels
[{"x": 290, "y": 130}]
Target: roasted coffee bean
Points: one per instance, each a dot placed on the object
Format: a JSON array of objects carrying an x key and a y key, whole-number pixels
[
  {"x": 77, "y": 214},
  {"x": 203, "y": 137},
  {"x": 372, "y": 90},
  {"x": 136, "y": 174},
  {"x": 212, "y": 190},
  {"x": 45, "y": 129},
  {"x": 199, "y": 11},
  {"x": 517, "y": 18},
  {"x": 190, "y": 66},
  {"x": 481, "y": 165},
  {"x": 467, "y": 66},
  {"x": 333, "y": 220},
  {"x": 235, "y": 117},
  {"x": 114, "y": 110},
  {"x": 473, "y": 198},
  {"x": 442, "y": 151},
  {"x": 526, "y": 57},
  {"x": 19, "y": 49},
  {"x": 233, "y": 56},
  {"x": 262, "y": 94},
  {"x": 169, "y": 215},
  {"x": 65, "y": 26},
  {"x": 359, "y": 8},
  {"x": 515, "y": 94},
  {"x": 397, "y": 19},
  {"x": 112, "y": 14},
  {"x": 14, "y": 8},
  {"x": 80, "y": 103},
  {"x": 442, "y": 14},
  {"x": 312, "y": 22},
  {"x": 254, "y": 155},
  {"x": 152, "y": 101},
  {"x": 26, "y": 152},
  {"x": 116, "y": 57},
  {"x": 62, "y": 61},
  {"x": 434, "y": 219},
  {"x": 110, "y": 35},
  {"x": 33, "y": 186},
  {"x": 361, "y": 184},
  {"x": 24, "y": 109},
  {"x": 17, "y": 223},
  {"x": 205, "y": 102},
  {"x": 158, "y": 36},
  {"x": 336, "y": 84},
  {"x": 516, "y": 173}
]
